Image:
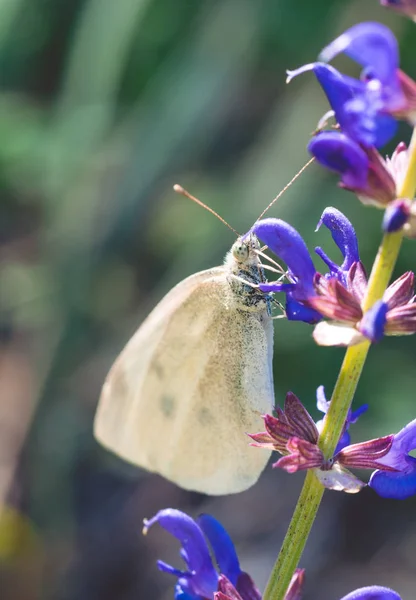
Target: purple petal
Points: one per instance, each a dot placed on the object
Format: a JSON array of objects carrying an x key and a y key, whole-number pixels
[
  {"x": 356, "y": 414},
  {"x": 358, "y": 110},
  {"x": 294, "y": 591},
  {"x": 373, "y": 323},
  {"x": 343, "y": 234},
  {"x": 396, "y": 215},
  {"x": 295, "y": 311},
  {"x": 405, "y": 439},
  {"x": 247, "y": 588},
  {"x": 276, "y": 287},
  {"x": 401, "y": 484},
  {"x": 394, "y": 485},
  {"x": 186, "y": 530},
  {"x": 373, "y": 592},
  {"x": 162, "y": 566},
  {"x": 370, "y": 44},
  {"x": 344, "y": 441},
  {"x": 321, "y": 402},
  {"x": 226, "y": 590},
  {"x": 222, "y": 545},
  {"x": 287, "y": 244},
  {"x": 385, "y": 128},
  {"x": 337, "y": 152},
  {"x": 181, "y": 594}
]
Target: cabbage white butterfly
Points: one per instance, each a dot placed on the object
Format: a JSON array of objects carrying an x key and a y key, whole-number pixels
[{"x": 195, "y": 377}]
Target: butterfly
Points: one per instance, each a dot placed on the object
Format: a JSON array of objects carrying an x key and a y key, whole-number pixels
[{"x": 195, "y": 378}]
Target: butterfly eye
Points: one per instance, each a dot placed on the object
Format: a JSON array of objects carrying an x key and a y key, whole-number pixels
[{"x": 240, "y": 251}]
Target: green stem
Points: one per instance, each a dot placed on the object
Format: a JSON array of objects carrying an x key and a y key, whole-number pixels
[{"x": 349, "y": 375}]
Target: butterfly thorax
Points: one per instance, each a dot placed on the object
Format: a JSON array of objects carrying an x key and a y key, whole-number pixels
[{"x": 245, "y": 273}]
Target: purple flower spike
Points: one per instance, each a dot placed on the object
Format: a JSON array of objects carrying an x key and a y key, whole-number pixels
[
  {"x": 339, "y": 153},
  {"x": 201, "y": 579},
  {"x": 400, "y": 484},
  {"x": 344, "y": 236},
  {"x": 373, "y": 592}
]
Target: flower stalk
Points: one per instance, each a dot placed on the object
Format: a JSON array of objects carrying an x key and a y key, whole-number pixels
[{"x": 352, "y": 366}]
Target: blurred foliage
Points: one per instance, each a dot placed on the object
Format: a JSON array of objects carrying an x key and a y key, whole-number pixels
[{"x": 103, "y": 106}]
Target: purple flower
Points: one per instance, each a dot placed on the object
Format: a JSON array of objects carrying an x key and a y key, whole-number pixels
[
  {"x": 401, "y": 483},
  {"x": 201, "y": 579},
  {"x": 323, "y": 405},
  {"x": 405, "y": 7},
  {"x": 288, "y": 245},
  {"x": 293, "y": 433},
  {"x": 382, "y": 91},
  {"x": 373, "y": 592},
  {"x": 395, "y": 314},
  {"x": 344, "y": 236},
  {"x": 338, "y": 295},
  {"x": 362, "y": 170},
  {"x": 366, "y": 108}
]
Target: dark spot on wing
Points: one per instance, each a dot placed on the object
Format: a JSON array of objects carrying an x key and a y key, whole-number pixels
[
  {"x": 158, "y": 369},
  {"x": 167, "y": 405},
  {"x": 205, "y": 417}
]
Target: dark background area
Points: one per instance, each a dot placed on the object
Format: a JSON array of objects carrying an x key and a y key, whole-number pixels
[{"x": 104, "y": 105}]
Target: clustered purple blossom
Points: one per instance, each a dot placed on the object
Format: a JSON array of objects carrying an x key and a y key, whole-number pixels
[
  {"x": 293, "y": 433},
  {"x": 338, "y": 294},
  {"x": 366, "y": 111},
  {"x": 225, "y": 581}
]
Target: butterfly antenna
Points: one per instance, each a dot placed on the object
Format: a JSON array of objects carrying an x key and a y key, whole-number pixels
[
  {"x": 180, "y": 190},
  {"x": 286, "y": 187}
]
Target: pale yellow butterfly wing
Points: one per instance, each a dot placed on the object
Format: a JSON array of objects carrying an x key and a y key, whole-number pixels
[{"x": 193, "y": 379}]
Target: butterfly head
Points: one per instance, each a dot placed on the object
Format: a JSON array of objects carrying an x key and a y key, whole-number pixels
[{"x": 244, "y": 251}]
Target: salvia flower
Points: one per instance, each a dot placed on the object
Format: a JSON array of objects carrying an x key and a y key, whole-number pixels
[
  {"x": 293, "y": 433},
  {"x": 400, "y": 481},
  {"x": 285, "y": 242},
  {"x": 362, "y": 170},
  {"x": 288, "y": 245},
  {"x": 373, "y": 592},
  {"x": 404, "y": 7},
  {"x": 356, "y": 118},
  {"x": 366, "y": 108},
  {"x": 384, "y": 89},
  {"x": 395, "y": 314},
  {"x": 201, "y": 579},
  {"x": 339, "y": 294}
]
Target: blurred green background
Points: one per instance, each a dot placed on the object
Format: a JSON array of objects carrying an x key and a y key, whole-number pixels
[{"x": 104, "y": 105}]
